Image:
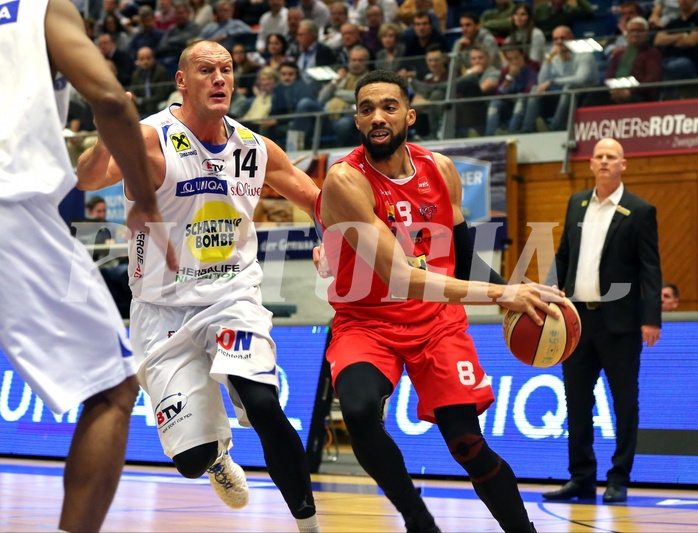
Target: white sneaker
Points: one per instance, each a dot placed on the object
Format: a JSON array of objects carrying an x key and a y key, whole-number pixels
[{"x": 228, "y": 480}]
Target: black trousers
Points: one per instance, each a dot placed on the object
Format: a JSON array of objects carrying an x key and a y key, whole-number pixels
[{"x": 618, "y": 355}]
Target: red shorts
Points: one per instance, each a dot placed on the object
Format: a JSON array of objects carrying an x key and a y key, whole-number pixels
[{"x": 438, "y": 354}]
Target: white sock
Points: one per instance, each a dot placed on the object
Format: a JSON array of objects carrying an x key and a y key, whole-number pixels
[{"x": 308, "y": 525}]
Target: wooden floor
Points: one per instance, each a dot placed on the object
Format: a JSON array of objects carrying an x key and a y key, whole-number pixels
[{"x": 158, "y": 499}]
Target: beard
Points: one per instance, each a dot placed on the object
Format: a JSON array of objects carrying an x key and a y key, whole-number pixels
[{"x": 383, "y": 152}]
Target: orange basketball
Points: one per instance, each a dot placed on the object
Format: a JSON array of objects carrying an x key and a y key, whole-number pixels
[{"x": 546, "y": 345}]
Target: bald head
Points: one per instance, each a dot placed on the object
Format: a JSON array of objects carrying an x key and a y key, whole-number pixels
[
  {"x": 607, "y": 164},
  {"x": 198, "y": 48},
  {"x": 609, "y": 144}
]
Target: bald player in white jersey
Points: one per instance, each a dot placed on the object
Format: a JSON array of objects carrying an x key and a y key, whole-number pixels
[
  {"x": 65, "y": 336},
  {"x": 205, "y": 325}
]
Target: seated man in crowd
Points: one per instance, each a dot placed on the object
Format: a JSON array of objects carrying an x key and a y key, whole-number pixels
[
  {"x": 285, "y": 98},
  {"x": 431, "y": 87},
  {"x": 120, "y": 59},
  {"x": 146, "y": 34},
  {"x": 640, "y": 60},
  {"x": 437, "y": 10},
  {"x": 417, "y": 38},
  {"x": 177, "y": 36},
  {"x": 561, "y": 70},
  {"x": 311, "y": 52},
  {"x": 517, "y": 78},
  {"x": 370, "y": 33},
  {"x": 626, "y": 10},
  {"x": 152, "y": 84},
  {"x": 350, "y": 36},
  {"x": 474, "y": 35},
  {"x": 679, "y": 45},
  {"x": 225, "y": 29},
  {"x": 336, "y": 96},
  {"x": 332, "y": 33},
  {"x": 480, "y": 79}
]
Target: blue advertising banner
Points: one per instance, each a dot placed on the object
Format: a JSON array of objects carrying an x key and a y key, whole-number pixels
[
  {"x": 27, "y": 427},
  {"x": 475, "y": 178},
  {"x": 526, "y": 424}
]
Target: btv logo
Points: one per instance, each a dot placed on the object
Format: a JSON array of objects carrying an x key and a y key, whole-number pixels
[
  {"x": 169, "y": 408},
  {"x": 213, "y": 165},
  {"x": 237, "y": 340}
]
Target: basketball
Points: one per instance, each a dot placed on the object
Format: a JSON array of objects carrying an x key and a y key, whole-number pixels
[{"x": 546, "y": 345}]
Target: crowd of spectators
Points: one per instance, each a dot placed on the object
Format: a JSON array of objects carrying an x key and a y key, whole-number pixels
[{"x": 513, "y": 57}]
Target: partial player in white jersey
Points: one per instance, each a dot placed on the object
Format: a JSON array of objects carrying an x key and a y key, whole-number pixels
[
  {"x": 205, "y": 325},
  {"x": 65, "y": 336}
]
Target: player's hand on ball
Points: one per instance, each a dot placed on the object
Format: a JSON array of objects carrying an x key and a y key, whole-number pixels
[{"x": 527, "y": 297}]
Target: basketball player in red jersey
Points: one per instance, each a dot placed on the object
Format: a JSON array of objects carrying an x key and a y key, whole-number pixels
[{"x": 392, "y": 212}]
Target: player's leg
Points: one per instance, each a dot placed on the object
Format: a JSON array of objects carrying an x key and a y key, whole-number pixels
[
  {"x": 174, "y": 371},
  {"x": 89, "y": 359},
  {"x": 363, "y": 391},
  {"x": 491, "y": 476},
  {"x": 194, "y": 462},
  {"x": 453, "y": 388},
  {"x": 283, "y": 450},
  {"x": 96, "y": 457}
]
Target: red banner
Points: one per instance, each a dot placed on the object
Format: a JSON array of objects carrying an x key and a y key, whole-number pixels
[{"x": 643, "y": 129}]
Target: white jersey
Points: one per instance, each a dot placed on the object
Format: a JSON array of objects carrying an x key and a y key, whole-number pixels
[
  {"x": 33, "y": 157},
  {"x": 207, "y": 198}
]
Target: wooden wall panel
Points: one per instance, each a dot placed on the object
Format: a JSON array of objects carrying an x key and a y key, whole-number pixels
[{"x": 668, "y": 182}]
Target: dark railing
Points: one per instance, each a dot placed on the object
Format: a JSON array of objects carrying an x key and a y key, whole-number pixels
[{"x": 448, "y": 130}]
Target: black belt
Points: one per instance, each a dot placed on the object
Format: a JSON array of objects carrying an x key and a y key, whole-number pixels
[{"x": 592, "y": 306}]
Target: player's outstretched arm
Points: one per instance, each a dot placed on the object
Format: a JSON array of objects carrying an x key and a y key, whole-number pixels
[
  {"x": 468, "y": 262},
  {"x": 288, "y": 180},
  {"x": 77, "y": 58}
]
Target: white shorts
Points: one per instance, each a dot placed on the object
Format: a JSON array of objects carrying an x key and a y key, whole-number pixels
[
  {"x": 59, "y": 325},
  {"x": 185, "y": 353}
]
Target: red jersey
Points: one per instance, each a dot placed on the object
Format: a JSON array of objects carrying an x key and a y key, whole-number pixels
[{"x": 417, "y": 209}]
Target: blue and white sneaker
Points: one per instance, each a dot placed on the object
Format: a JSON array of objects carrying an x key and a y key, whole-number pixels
[{"x": 228, "y": 480}]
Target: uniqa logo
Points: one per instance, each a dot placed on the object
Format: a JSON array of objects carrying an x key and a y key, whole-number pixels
[{"x": 208, "y": 185}]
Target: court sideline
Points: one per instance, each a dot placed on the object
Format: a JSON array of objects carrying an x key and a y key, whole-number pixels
[{"x": 158, "y": 499}]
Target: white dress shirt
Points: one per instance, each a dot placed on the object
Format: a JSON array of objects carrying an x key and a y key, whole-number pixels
[{"x": 597, "y": 220}]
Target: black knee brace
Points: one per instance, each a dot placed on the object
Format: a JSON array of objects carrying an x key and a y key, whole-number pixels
[{"x": 473, "y": 453}]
